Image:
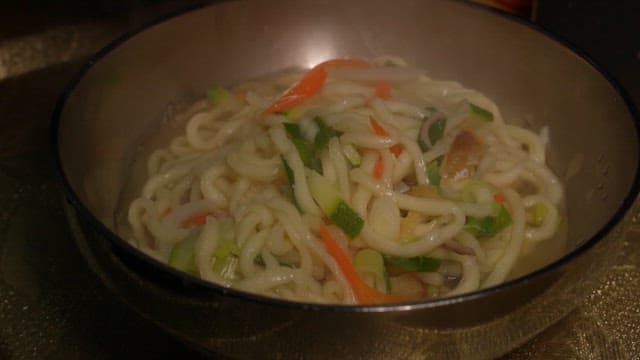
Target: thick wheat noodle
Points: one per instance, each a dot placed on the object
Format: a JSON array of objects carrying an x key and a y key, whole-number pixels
[{"x": 228, "y": 167}]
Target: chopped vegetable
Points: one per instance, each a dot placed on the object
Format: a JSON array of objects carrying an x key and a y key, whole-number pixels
[
  {"x": 436, "y": 130},
  {"x": 416, "y": 263},
  {"x": 310, "y": 152},
  {"x": 370, "y": 261},
  {"x": 378, "y": 168},
  {"x": 324, "y": 134},
  {"x": 480, "y": 112},
  {"x": 195, "y": 219},
  {"x": 480, "y": 192},
  {"x": 351, "y": 154},
  {"x": 364, "y": 293},
  {"x": 289, "y": 190},
  {"x": 396, "y": 149},
  {"x": 431, "y": 130},
  {"x": 309, "y": 85},
  {"x": 377, "y": 128},
  {"x": 182, "y": 257},
  {"x": 383, "y": 90},
  {"x": 463, "y": 157},
  {"x": 164, "y": 213},
  {"x": 305, "y": 149},
  {"x": 226, "y": 247},
  {"x": 489, "y": 226},
  {"x": 304, "y": 89},
  {"x": 226, "y": 267},
  {"x": 535, "y": 214},
  {"x": 433, "y": 171},
  {"x": 217, "y": 94},
  {"x": 347, "y": 219},
  {"x": 328, "y": 198},
  {"x": 473, "y": 113},
  {"x": 227, "y": 251}
]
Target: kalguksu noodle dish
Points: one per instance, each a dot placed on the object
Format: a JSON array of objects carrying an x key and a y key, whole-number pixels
[{"x": 355, "y": 182}]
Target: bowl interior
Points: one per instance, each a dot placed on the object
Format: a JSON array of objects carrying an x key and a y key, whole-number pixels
[{"x": 126, "y": 94}]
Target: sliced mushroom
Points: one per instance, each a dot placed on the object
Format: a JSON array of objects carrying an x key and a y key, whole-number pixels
[{"x": 463, "y": 157}]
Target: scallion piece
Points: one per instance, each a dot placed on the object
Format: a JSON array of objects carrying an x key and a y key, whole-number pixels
[
  {"x": 416, "y": 263},
  {"x": 489, "y": 226},
  {"x": 217, "y": 94}
]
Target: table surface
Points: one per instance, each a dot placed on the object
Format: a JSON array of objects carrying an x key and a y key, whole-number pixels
[{"x": 53, "y": 306}]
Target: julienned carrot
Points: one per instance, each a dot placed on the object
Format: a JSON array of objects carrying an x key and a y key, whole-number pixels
[
  {"x": 499, "y": 198},
  {"x": 396, "y": 149},
  {"x": 310, "y": 84},
  {"x": 364, "y": 293},
  {"x": 383, "y": 90},
  {"x": 378, "y": 168},
  {"x": 166, "y": 212},
  {"x": 377, "y": 128},
  {"x": 196, "y": 219},
  {"x": 380, "y": 131}
]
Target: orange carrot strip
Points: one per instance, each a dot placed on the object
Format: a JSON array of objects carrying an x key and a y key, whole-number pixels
[
  {"x": 196, "y": 219},
  {"x": 383, "y": 90},
  {"x": 166, "y": 212},
  {"x": 309, "y": 85},
  {"x": 377, "y": 128},
  {"x": 499, "y": 198},
  {"x": 378, "y": 168},
  {"x": 364, "y": 293},
  {"x": 396, "y": 149},
  {"x": 242, "y": 96}
]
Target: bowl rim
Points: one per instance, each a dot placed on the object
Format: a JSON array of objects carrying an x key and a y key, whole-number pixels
[{"x": 78, "y": 205}]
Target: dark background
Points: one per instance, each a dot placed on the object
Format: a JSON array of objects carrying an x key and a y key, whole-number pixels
[{"x": 51, "y": 304}]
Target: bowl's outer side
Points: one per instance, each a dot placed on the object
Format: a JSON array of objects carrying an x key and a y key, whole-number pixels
[
  {"x": 116, "y": 105},
  {"x": 240, "y": 328}
]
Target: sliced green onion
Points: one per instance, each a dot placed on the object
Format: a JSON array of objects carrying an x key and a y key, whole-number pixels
[
  {"x": 489, "y": 226},
  {"x": 217, "y": 94},
  {"x": 182, "y": 257},
  {"x": 324, "y": 134},
  {"x": 226, "y": 267},
  {"x": 289, "y": 190},
  {"x": 416, "y": 263},
  {"x": 480, "y": 112},
  {"x": 371, "y": 261},
  {"x": 352, "y": 154},
  {"x": 477, "y": 191},
  {"x": 305, "y": 150},
  {"x": 432, "y": 129},
  {"x": 436, "y": 130},
  {"x": 328, "y": 199},
  {"x": 433, "y": 171},
  {"x": 535, "y": 214},
  {"x": 347, "y": 219},
  {"x": 310, "y": 152}
]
